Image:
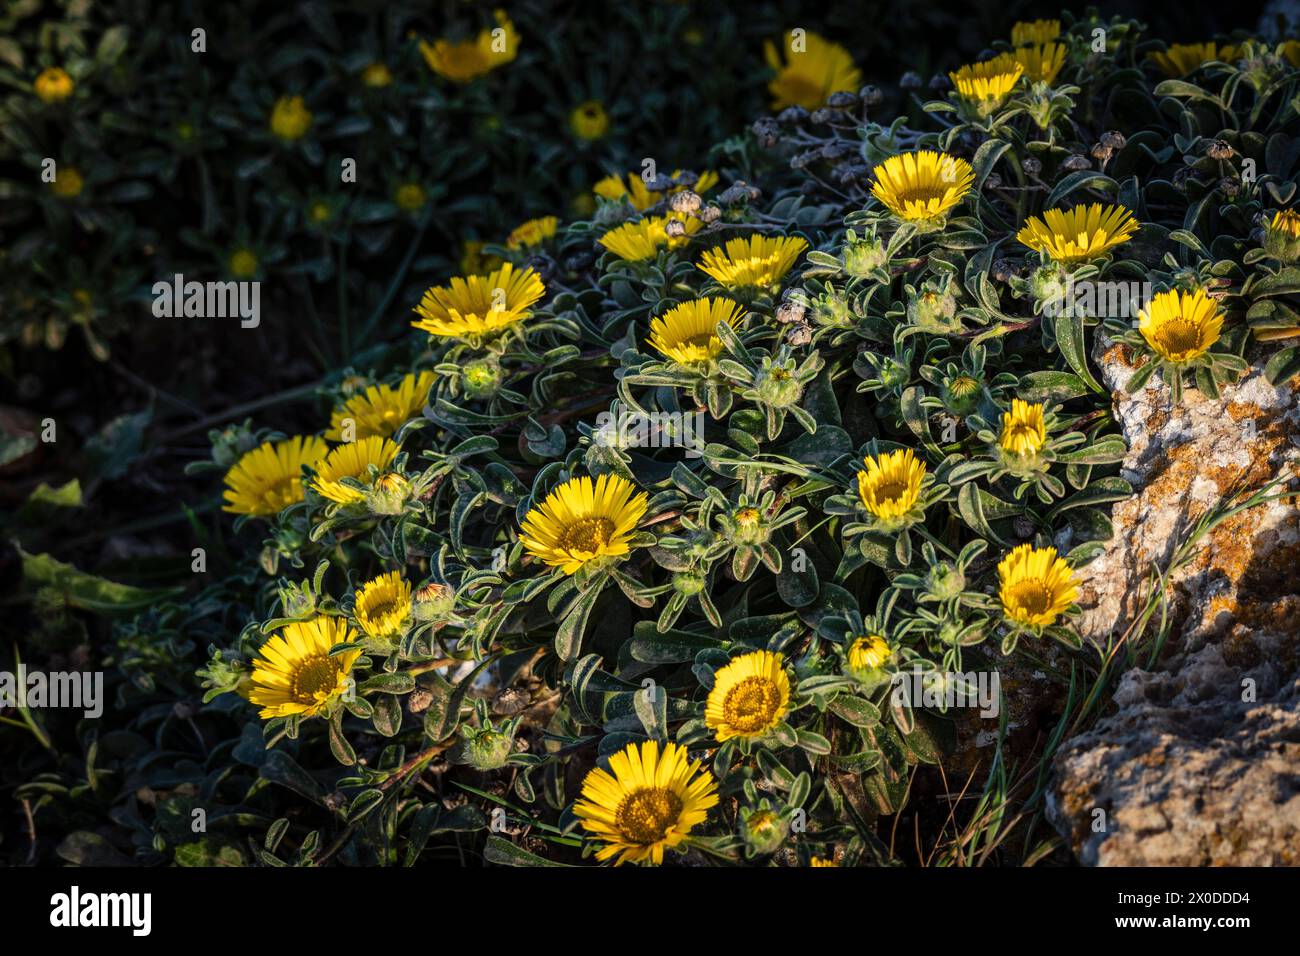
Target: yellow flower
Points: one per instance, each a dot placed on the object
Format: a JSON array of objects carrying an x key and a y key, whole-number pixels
[
  {"x": 67, "y": 183},
  {"x": 1036, "y": 585},
  {"x": 532, "y": 233},
  {"x": 1180, "y": 326},
  {"x": 922, "y": 186},
  {"x": 376, "y": 76},
  {"x": 479, "y": 305},
  {"x": 869, "y": 652},
  {"x": 650, "y": 802},
  {"x": 352, "y": 460},
  {"x": 589, "y": 120},
  {"x": 757, "y": 262},
  {"x": 290, "y": 118},
  {"x": 1024, "y": 431},
  {"x": 268, "y": 479},
  {"x": 410, "y": 197},
  {"x": 53, "y": 85},
  {"x": 1078, "y": 234},
  {"x": 473, "y": 262},
  {"x": 813, "y": 69},
  {"x": 890, "y": 485},
  {"x": 1041, "y": 63},
  {"x": 469, "y": 59},
  {"x": 1183, "y": 58},
  {"x": 640, "y": 240},
  {"x": 242, "y": 263},
  {"x": 641, "y": 198},
  {"x": 686, "y": 333},
  {"x": 987, "y": 84},
  {"x": 380, "y": 409},
  {"x": 383, "y": 605},
  {"x": 819, "y": 861},
  {"x": 294, "y": 672},
  {"x": 1291, "y": 50},
  {"x": 1035, "y": 31},
  {"x": 581, "y": 521},
  {"x": 1286, "y": 222},
  {"x": 750, "y": 696}
]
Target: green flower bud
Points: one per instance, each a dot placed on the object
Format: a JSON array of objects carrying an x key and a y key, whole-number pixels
[
  {"x": 961, "y": 394},
  {"x": 485, "y": 749},
  {"x": 863, "y": 256},
  {"x": 433, "y": 602},
  {"x": 1048, "y": 284},
  {"x": 689, "y": 583},
  {"x": 777, "y": 386},
  {"x": 944, "y": 581},
  {"x": 482, "y": 378},
  {"x": 763, "y": 830},
  {"x": 934, "y": 310},
  {"x": 389, "y": 494}
]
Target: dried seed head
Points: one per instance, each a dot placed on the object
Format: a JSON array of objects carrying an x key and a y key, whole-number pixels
[
  {"x": 1114, "y": 139},
  {"x": 842, "y": 100},
  {"x": 675, "y": 228},
  {"x": 1032, "y": 165},
  {"x": 822, "y": 115},
  {"x": 708, "y": 214},
  {"x": 791, "y": 310},
  {"x": 685, "y": 201},
  {"x": 1229, "y": 186},
  {"x": 799, "y": 335},
  {"x": 1073, "y": 164},
  {"x": 939, "y": 83},
  {"x": 792, "y": 114},
  {"x": 1102, "y": 153},
  {"x": 1220, "y": 150},
  {"x": 992, "y": 181},
  {"x": 911, "y": 80},
  {"x": 767, "y": 131},
  {"x": 871, "y": 96}
]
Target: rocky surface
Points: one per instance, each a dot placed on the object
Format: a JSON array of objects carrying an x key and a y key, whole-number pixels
[{"x": 1199, "y": 764}]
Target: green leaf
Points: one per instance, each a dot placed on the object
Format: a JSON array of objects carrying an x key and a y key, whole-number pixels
[
  {"x": 502, "y": 852},
  {"x": 88, "y": 592},
  {"x": 1070, "y": 338}
]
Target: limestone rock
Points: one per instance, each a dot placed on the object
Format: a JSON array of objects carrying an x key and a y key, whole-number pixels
[{"x": 1200, "y": 763}]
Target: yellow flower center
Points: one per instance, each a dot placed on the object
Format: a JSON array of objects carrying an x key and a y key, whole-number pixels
[
  {"x": 381, "y": 609},
  {"x": 1178, "y": 335},
  {"x": 1031, "y": 594},
  {"x": 645, "y": 815},
  {"x": 587, "y": 534},
  {"x": 1021, "y": 438},
  {"x": 963, "y": 386},
  {"x": 313, "y": 678},
  {"x": 747, "y": 516},
  {"x": 751, "y": 704},
  {"x": 891, "y": 491},
  {"x": 922, "y": 193},
  {"x": 281, "y": 493}
]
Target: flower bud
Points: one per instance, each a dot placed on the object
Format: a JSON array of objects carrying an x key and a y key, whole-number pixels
[
  {"x": 433, "y": 602},
  {"x": 389, "y": 494},
  {"x": 863, "y": 256},
  {"x": 485, "y": 749}
]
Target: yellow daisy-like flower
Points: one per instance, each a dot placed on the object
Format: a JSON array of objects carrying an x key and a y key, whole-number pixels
[
  {"x": 377, "y": 76},
  {"x": 922, "y": 186},
  {"x": 1078, "y": 234},
  {"x": 987, "y": 84},
  {"x": 53, "y": 85},
  {"x": 381, "y": 409},
  {"x": 290, "y": 118},
  {"x": 479, "y": 305},
  {"x": 750, "y": 696},
  {"x": 890, "y": 484},
  {"x": 1183, "y": 58},
  {"x": 294, "y": 673},
  {"x": 473, "y": 261},
  {"x": 410, "y": 197},
  {"x": 383, "y": 605},
  {"x": 243, "y": 263},
  {"x": 582, "y": 520},
  {"x": 268, "y": 479},
  {"x": 1041, "y": 63},
  {"x": 352, "y": 460},
  {"x": 1180, "y": 326},
  {"x": 589, "y": 120},
  {"x": 1291, "y": 51},
  {"x": 868, "y": 652},
  {"x": 1286, "y": 222},
  {"x": 532, "y": 233},
  {"x": 649, "y": 802},
  {"x": 1024, "y": 430},
  {"x": 758, "y": 262},
  {"x": 1036, "y": 585},
  {"x": 641, "y": 240},
  {"x": 633, "y": 188},
  {"x": 1035, "y": 31},
  {"x": 469, "y": 59},
  {"x": 686, "y": 333},
  {"x": 819, "y": 861},
  {"x": 812, "y": 70},
  {"x": 68, "y": 183}
]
